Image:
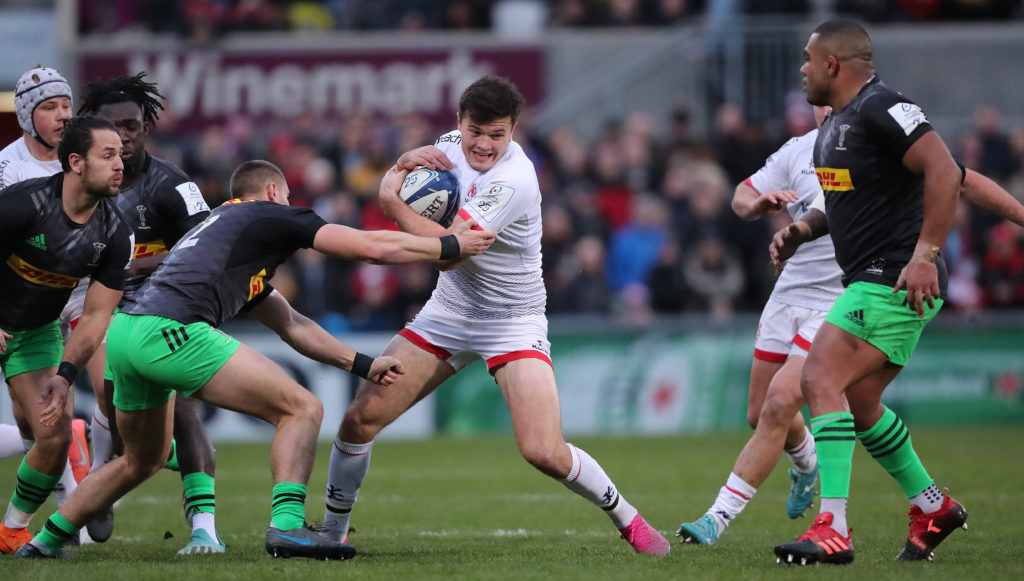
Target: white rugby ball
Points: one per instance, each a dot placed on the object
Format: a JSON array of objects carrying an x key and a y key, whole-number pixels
[{"x": 433, "y": 194}]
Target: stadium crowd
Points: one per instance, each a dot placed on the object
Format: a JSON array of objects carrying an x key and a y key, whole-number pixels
[
  {"x": 207, "y": 19},
  {"x": 636, "y": 222}
]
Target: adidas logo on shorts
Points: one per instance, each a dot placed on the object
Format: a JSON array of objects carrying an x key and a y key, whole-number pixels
[{"x": 856, "y": 317}]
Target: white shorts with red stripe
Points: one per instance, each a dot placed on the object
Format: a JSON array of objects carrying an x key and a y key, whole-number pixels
[
  {"x": 73, "y": 309},
  {"x": 785, "y": 330},
  {"x": 460, "y": 341}
]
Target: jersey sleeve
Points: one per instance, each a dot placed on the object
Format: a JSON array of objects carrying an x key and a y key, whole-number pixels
[
  {"x": 116, "y": 259},
  {"x": 182, "y": 206},
  {"x": 301, "y": 227},
  {"x": 776, "y": 172},
  {"x": 9, "y": 172},
  {"x": 17, "y": 215},
  {"x": 896, "y": 122}
]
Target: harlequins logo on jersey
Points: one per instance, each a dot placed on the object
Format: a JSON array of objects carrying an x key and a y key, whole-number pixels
[
  {"x": 842, "y": 137},
  {"x": 97, "y": 248},
  {"x": 39, "y": 241}
]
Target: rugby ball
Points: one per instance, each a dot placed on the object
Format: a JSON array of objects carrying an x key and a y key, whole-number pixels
[{"x": 433, "y": 194}]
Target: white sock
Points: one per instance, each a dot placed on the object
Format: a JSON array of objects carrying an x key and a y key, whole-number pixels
[
  {"x": 205, "y": 521},
  {"x": 11, "y": 443},
  {"x": 66, "y": 485},
  {"x": 930, "y": 500},
  {"x": 102, "y": 441},
  {"x": 836, "y": 506},
  {"x": 15, "y": 518},
  {"x": 732, "y": 499},
  {"x": 349, "y": 466},
  {"x": 587, "y": 479},
  {"x": 804, "y": 456}
]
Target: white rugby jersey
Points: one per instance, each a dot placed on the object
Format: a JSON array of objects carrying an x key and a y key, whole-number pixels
[
  {"x": 17, "y": 164},
  {"x": 505, "y": 282},
  {"x": 811, "y": 278}
]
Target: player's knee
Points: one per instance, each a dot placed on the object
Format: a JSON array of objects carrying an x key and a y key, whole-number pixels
[
  {"x": 752, "y": 418},
  {"x": 358, "y": 425},
  {"x": 781, "y": 404},
  {"x": 310, "y": 407},
  {"x": 138, "y": 468},
  {"x": 542, "y": 457},
  {"x": 53, "y": 439}
]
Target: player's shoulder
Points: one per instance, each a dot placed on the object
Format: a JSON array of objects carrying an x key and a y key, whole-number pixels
[
  {"x": 515, "y": 166},
  {"x": 13, "y": 151},
  {"x": 794, "y": 146},
  {"x": 31, "y": 186},
  {"x": 162, "y": 167},
  {"x": 453, "y": 137},
  {"x": 888, "y": 108}
]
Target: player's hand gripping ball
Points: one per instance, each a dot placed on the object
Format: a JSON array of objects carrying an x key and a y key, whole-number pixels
[{"x": 433, "y": 194}]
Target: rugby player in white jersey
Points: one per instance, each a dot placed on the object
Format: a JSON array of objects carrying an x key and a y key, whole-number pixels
[
  {"x": 488, "y": 307},
  {"x": 802, "y": 296},
  {"x": 42, "y": 103}
]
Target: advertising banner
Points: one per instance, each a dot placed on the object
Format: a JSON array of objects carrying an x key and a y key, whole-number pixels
[{"x": 208, "y": 86}]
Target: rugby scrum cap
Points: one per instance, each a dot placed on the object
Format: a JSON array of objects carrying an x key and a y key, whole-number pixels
[{"x": 34, "y": 87}]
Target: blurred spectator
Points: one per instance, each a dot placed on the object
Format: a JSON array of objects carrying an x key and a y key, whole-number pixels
[
  {"x": 634, "y": 248},
  {"x": 583, "y": 288},
  {"x": 1002, "y": 273},
  {"x": 667, "y": 282},
  {"x": 715, "y": 276}
]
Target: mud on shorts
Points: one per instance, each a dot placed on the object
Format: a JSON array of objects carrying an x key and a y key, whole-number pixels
[
  {"x": 786, "y": 330},
  {"x": 875, "y": 314},
  {"x": 32, "y": 350},
  {"x": 151, "y": 357}
]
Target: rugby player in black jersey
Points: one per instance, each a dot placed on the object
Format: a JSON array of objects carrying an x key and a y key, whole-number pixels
[
  {"x": 161, "y": 203},
  {"x": 165, "y": 339},
  {"x": 53, "y": 232},
  {"x": 891, "y": 188}
]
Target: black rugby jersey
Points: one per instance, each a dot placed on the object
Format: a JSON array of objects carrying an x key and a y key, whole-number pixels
[
  {"x": 220, "y": 265},
  {"x": 875, "y": 205},
  {"x": 161, "y": 205},
  {"x": 45, "y": 253}
]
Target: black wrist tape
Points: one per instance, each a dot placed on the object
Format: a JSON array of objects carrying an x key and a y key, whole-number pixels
[
  {"x": 450, "y": 247},
  {"x": 361, "y": 365},
  {"x": 67, "y": 371}
]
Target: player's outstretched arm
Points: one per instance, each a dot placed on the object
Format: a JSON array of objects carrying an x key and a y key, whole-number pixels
[
  {"x": 310, "y": 339},
  {"x": 986, "y": 193},
  {"x": 100, "y": 302},
  {"x": 749, "y": 204},
  {"x": 390, "y": 247}
]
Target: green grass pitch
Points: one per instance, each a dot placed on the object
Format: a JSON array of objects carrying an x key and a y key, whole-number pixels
[{"x": 473, "y": 509}]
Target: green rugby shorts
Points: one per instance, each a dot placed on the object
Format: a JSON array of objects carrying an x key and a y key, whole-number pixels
[
  {"x": 32, "y": 350},
  {"x": 152, "y": 357},
  {"x": 875, "y": 314}
]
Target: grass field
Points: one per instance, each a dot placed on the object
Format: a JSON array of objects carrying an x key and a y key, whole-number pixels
[{"x": 472, "y": 509}]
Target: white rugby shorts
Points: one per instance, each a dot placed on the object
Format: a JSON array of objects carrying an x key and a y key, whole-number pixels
[
  {"x": 460, "y": 341},
  {"x": 73, "y": 310},
  {"x": 785, "y": 331}
]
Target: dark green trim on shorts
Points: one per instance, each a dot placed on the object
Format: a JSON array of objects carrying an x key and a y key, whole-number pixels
[
  {"x": 32, "y": 350},
  {"x": 874, "y": 313},
  {"x": 152, "y": 357}
]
